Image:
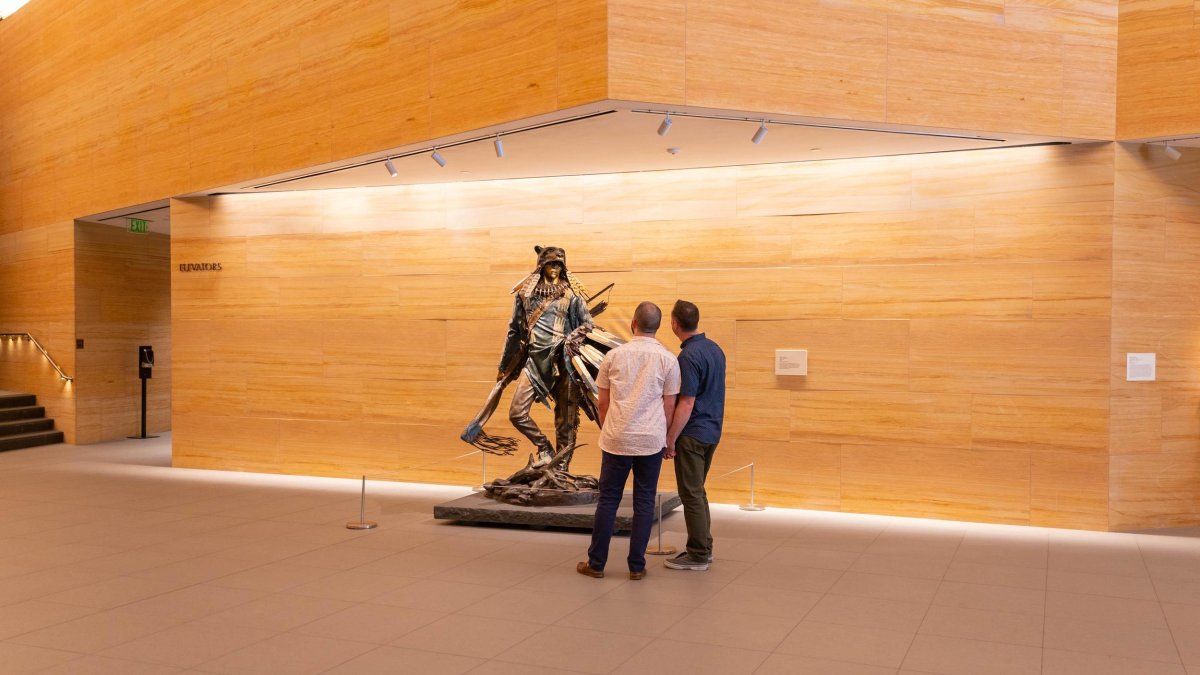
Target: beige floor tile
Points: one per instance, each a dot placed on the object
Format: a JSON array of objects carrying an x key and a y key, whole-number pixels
[
  {"x": 279, "y": 612},
  {"x": 1058, "y": 662},
  {"x": 982, "y": 624},
  {"x": 786, "y": 664},
  {"x": 39, "y": 585},
  {"x": 563, "y": 579},
  {"x": 395, "y": 660},
  {"x": 1110, "y": 639},
  {"x": 886, "y": 587},
  {"x": 1097, "y": 559},
  {"x": 412, "y": 564},
  {"x": 273, "y": 577},
  {"x": 377, "y": 624},
  {"x": 547, "y": 554},
  {"x": 352, "y": 586},
  {"x": 848, "y": 610},
  {"x": 287, "y": 654},
  {"x": 835, "y": 538},
  {"x": 663, "y": 587},
  {"x": 740, "y": 548},
  {"x": 465, "y": 635},
  {"x": 691, "y": 658},
  {"x": 764, "y": 601},
  {"x": 1008, "y": 552},
  {"x": 955, "y": 656},
  {"x": 20, "y": 659},
  {"x": 195, "y": 570},
  {"x": 853, "y": 644},
  {"x": 582, "y": 650},
  {"x": 31, "y": 615},
  {"x": 339, "y": 558},
  {"x": 437, "y": 596},
  {"x": 996, "y": 575},
  {"x": 190, "y": 644},
  {"x": 789, "y": 577},
  {"x": 803, "y": 556},
  {"x": 505, "y": 668},
  {"x": 1099, "y": 608},
  {"x": 492, "y": 572},
  {"x": 97, "y": 632},
  {"x": 993, "y": 598},
  {"x": 101, "y": 665},
  {"x": 619, "y": 615},
  {"x": 113, "y": 592},
  {"x": 1185, "y": 627},
  {"x": 1179, "y": 592},
  {"x": 901, "y": 566},
  {"x": 274, "y": 549},
  {"x": 194, "y": 602},
  {"x": 537, "y": 607},
  {"x": 1117, "y": 586},
  {"x": 731, "y": 629}
]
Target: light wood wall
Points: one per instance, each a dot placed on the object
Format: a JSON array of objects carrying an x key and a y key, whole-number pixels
[
  {"x": 1018, "y": 66},
  {"x": 1158, "y": 77},
  {"x": 37, "y": 292},
  {"x": 1155, "y": 431},
  {"x": 956, "y": 309},
  {"x": 123, "y": 300}
]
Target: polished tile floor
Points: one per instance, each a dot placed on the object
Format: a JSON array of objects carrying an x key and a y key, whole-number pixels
[{"x": 111, "y": 562}]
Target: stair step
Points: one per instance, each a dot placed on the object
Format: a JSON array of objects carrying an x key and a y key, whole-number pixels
[
  {"x": 13, "y": 400},
  {"x": 14, "y": 427},
  {"x": 29, "y": 440},
  {"x": 22, "y": 413}
]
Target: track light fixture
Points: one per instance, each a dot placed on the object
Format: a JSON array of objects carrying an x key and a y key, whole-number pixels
[
  {"x": 665, "y": 126},
  {"x": 387, "y": 164},
  {"x": 437, "y": 157},
  {"x": 1173, "y": 153},
  {"x": 761, "y": 133},
  {"x": 499, "y": 145}
]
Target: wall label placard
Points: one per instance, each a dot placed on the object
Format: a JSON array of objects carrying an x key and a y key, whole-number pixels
[
  {"x": 791, "y": 362},
  {"x": 200, "y": 267},
  {"x": 1140, "y": 367}
]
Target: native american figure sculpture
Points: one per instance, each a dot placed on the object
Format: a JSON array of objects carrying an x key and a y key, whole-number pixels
[{"x": 552, "y": 352}]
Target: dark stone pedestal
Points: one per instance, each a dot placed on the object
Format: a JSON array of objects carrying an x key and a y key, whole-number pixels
[{"x": 476, "y": 508}]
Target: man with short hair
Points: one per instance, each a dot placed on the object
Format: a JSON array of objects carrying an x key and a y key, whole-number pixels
[
  {"x": 636, "y": 386},
  {"x": 695, "y": 431}
]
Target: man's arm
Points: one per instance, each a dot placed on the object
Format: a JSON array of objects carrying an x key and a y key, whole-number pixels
[
  {"x": 602, "y": 404},
  {"x": 668, "y": 409},
  {"x": 683, "y": 412},
  {"x": 513, "y": 340}
]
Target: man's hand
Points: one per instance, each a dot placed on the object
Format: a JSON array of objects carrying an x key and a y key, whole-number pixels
[{"x": 669, "y": 452}]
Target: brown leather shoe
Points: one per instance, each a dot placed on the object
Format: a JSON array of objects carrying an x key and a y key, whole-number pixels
[
  {"x": 587, "y": 571},
  {"x": 637, "y": 575}
]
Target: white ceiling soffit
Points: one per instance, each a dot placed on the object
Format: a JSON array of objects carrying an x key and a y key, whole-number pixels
[
  {"x": 616, "y": 137},
  {"x": 157, "y": 214}
]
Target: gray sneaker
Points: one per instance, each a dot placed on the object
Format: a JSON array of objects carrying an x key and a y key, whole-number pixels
[{"x": 683, "y": 561}]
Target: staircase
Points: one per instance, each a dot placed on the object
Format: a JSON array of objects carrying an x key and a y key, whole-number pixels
[{"x": 23, "y": 423}]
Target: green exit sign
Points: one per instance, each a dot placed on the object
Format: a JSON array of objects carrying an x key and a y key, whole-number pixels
[{"x": 139, "y": 226}]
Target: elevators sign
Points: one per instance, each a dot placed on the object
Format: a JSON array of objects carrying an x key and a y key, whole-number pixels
[{"x": 1139, "y": 367}]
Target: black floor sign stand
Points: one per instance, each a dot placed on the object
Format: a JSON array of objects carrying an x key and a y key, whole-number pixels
[{"x": 145, "y": 369}]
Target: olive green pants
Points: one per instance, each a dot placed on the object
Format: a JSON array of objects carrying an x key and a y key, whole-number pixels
[{"x": 693, "y": 459}]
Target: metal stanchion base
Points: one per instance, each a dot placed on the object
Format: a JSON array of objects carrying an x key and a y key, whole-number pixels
[
  {"x": 662, "y": 550},
  {"x": 141, "y": 437},
  {"x": 364, "y": 525},
  {"x": 752, "y": 507}
]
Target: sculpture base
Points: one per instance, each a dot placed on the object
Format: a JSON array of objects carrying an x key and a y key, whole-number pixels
[{"x": 477, "y": 508}]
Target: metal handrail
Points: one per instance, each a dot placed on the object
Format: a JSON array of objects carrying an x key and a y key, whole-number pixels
[{"x": 27, "y": 336}]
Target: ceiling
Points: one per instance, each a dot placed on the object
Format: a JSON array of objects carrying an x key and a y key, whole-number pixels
[
  {"x": 606, "y": 137},
  {"x": 613, "y": 140}
]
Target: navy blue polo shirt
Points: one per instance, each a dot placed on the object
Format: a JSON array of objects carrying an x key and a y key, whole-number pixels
[{"x": 702, "y": 374}]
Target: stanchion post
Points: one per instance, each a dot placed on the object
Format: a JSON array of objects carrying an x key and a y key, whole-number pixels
[
  {"x": 752, "y": 506},
  {"x": 362, "y": 523},
  {"x": 659, "y": 550}
]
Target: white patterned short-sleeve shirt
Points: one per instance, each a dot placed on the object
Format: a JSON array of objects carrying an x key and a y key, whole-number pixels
[{"x": 637, "y": 375}]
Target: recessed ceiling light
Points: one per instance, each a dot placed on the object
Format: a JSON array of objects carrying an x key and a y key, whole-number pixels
[{"x": 673, "y": 151}]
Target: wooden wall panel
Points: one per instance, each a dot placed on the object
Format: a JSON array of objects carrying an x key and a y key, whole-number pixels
[
  {"x": 1155, "y": 431},
  {"x": 1034, "y": 66},
  {"x": 1158, "y": 76},
  {"x": 970, "y": 335}
]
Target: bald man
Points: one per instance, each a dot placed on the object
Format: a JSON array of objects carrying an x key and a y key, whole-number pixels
[{"x": 637, "y": 385}]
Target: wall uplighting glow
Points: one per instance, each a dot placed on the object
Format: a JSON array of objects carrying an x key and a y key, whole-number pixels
[{"x": 7, "y": 7}]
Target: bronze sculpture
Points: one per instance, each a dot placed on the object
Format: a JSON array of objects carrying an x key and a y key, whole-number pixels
[{"x": 552, "y": 351}]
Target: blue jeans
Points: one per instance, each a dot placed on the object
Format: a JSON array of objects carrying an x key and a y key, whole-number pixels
[{"x": 614, "y": 472}]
